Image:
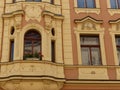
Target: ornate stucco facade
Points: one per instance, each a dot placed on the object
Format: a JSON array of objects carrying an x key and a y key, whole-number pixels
[{"x": 68, "y": 22}]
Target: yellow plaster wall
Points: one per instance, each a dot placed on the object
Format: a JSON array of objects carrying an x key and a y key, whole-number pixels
[{"x": 67, "y": 43}]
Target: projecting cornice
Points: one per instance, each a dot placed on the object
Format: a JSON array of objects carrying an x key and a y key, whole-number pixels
[
  {"x": 87, "y": 18},
  {"x": 7, "y": 15},
  {"x": 56, "y": 16},
  {"x": 114, "y": 21}
]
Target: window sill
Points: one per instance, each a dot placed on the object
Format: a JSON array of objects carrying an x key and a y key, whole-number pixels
[
  {"x": 114, "y": 11},
  {"x": 87, "y": 10},
  {"x": 32, "y": 59}
]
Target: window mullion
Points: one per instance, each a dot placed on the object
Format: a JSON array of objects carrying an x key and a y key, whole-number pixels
[
  {"x": 90, "y": 56},
  {"x": 32, "y": 45},
  {"x": 85, "y": 4}
]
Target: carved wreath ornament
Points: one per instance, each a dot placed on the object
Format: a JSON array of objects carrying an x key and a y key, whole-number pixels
[{"x": 33, "y": 12}]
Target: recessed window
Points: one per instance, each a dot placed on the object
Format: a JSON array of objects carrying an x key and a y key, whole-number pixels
[
  {"x": 33, "y": 0},
  {"x": 115, "y": 4},
  {"x": 53, "y": 51},
  {"x": 32, "y": 45},
  {"x": 117, "y": 38},
  {"x": 11, "y": 50},
  {"x": 86, "y": 3},
  {"x": 12, "y": 31},
  {"x": 53, "y": 31},
  {"x": 90, "y": 50}
]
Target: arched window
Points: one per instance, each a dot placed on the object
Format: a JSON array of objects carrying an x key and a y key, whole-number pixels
[{"x": 32, "y": 45}]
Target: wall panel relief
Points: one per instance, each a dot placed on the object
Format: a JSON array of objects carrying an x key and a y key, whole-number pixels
[
  {"x": 31, "y": 85},
  {"x": 33, "y": 12}
]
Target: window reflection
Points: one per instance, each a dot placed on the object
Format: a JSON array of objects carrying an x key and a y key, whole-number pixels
[
  {"x": 90, "y": 50},
  {"x": 115, "y": 3},
  {"x": 32, "y": 45},
  {"x": 118, "y": 47},
  {"x": 86, "y": 3}
]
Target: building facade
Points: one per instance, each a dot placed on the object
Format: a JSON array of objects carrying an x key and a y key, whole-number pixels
[{"x": 59, "y": 44}]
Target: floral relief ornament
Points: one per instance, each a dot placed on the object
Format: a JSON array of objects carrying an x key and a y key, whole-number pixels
[{"x": 33, "y": 12}]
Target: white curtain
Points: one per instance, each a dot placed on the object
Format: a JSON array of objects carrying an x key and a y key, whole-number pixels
[
  {"x": 95, "y": 56},
  {"x": 85, "y": 56}
]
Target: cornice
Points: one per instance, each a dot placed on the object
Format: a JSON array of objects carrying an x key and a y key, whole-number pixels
[{"x": 8, "y": 15}]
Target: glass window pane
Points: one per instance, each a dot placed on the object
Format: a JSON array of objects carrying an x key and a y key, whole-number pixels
[
  {"x": 118, "y": 54},
  {"x": 37, "y": 0},
  {"x": 117, "y": 40},
  {"x": 90, "y": 3},
  {"x": 95, "y": 56},
  {"x": 118, "y": 3},
  {"x": 85, "y": 56},
  {"x": 36, "y": 49},
  {"x": 11, "y": 50},
  {"x": 89, "y": 40},
  {"x": 113, "y": 3},
  {"x": 32, "y": 35},
  {"x": 28, "y": 48},
  {"x": 29, "y": 0},
  {"x": 81, "y": 3}
]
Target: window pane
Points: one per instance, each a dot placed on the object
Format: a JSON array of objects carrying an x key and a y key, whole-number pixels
[
  {"x": 118, "y": 3},
  {"x": 95, "y": 56},
  {"x": 36, "y": 49},
  {"x": 28, "y": 47},
  {"x": 117, "y": 40},
  {"x": 89, "y": 40},
  {"x": 11, "y": 50},
  {"x": 90, "y": 3},
  {"x": 85, "y": 56},
  {"x": 37, "y": 0},
  {"x": 118, "y": 53},
  {"x": 29, "y": 0},
  {"x": 81, "y": 3},
  {"x": 53, "y": 51},
  {"x": 32, "y": 35},
  {"x": 113, "y": 3}
]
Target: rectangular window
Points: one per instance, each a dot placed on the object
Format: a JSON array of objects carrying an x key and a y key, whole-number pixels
[
  {"x": 86, "y": 3},
  {"x": 117, "y": 38},
  {"x": 115, "y": 4},
  {"x": 90, "y": 50},
  {"x": 53, "y": 51},
  {"x": 11, "y": 50}
]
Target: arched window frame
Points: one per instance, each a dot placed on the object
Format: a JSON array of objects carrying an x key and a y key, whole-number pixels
[{"x": 33, "y": 55}]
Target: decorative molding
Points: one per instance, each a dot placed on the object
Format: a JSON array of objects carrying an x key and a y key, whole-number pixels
[
  {"x": 88, "y": 18},
  {"x": 115, "y": 25},
  {"x": 87, "y": 10},
  {"x": 53, "y": 15},
  {"x": 88, "y": 24},
  {"x": 8, "y": 15},
  {"x": 113, "y": 11},
  {"x": 31, "y": 84},
  {"x": 33, "y": 12},
  {"x": 32, "y": 68},
  {"x": 93, "y": 73}
]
